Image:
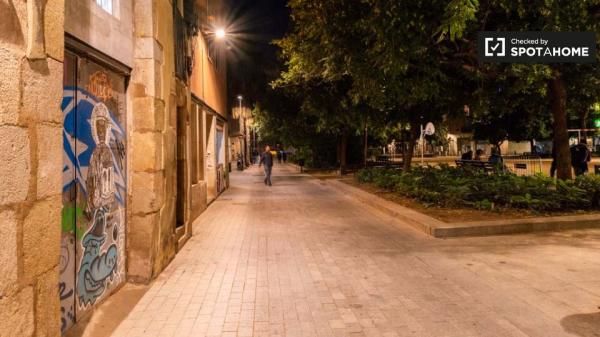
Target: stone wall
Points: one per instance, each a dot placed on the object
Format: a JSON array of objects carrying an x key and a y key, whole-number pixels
[
  {"x": 31, "y": 56},
  {"x": 152, "y": 241}
]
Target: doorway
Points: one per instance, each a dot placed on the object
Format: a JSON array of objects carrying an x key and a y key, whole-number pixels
[{"x": 92, "y": 261}]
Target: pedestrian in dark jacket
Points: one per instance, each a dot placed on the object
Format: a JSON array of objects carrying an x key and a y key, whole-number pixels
[
  {"x": 580, "y": 157},
  {"x": 267, "y": 159},
  {"x": 495, "y": 158},
  {"x": 467, "y": 155}
]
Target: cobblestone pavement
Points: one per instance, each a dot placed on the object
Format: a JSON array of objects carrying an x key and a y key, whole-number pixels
[{"x": 301, "y": 259}]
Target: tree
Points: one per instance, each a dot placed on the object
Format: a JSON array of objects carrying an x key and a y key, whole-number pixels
[
  {"x": 561, "y": 86},
  {"x": 387, "y": 50},
  {"x": 510, "y": 105},
  {"x": 311, "y": 114}
]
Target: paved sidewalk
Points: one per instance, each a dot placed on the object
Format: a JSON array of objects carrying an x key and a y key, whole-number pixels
[{"x": 302, "y": 259}]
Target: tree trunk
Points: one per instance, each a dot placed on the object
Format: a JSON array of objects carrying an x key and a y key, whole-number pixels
[
  {"x": 407, "y": 156},
  {"x": 343, "y": 152},
  {"x": 558, "y": 98},
  {"x": 498, "y": 145}
]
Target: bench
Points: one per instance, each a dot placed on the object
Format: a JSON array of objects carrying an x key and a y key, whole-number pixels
[
  {"x": 384, "y": 161},
  {"x": 483, "y": 165}
]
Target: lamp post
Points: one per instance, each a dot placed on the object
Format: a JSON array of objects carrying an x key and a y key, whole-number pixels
[{"x": 240, "y": 98}]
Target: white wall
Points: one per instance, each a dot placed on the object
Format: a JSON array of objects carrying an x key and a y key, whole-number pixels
[{"x": 518, "y": 147}]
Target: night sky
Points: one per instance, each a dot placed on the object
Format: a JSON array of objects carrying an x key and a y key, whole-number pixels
[{"x": 252, "y": 59}]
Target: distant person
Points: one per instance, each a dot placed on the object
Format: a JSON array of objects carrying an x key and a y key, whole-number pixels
[
  {"x": 279, "y": 156},
  {"x": 537, "y": 149},
  {"x": 467, "y": 155},
  {"x": 284, "y": 155},
  {"x": 495, "y": 158},
  {"x": 580, "y": 157},
  {"x": 267, "y": 160},
  {"x": 553, "y": 165},
  {"x": 478, "y": 154},
  {"x": 240, "y": 162}
]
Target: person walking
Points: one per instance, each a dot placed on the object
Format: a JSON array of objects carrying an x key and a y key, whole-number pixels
[
  {"x": 580, "y": 157},
  {"x": 267, "y": 160}
]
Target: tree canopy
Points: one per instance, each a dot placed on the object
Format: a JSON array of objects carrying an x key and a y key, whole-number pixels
[
  {"x": 559, "y": 88},
  {"x": 407, "y": 62}
]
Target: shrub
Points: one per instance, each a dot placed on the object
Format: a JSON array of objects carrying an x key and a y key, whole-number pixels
[
  {"x": 591, "y": 185},
  {"x": 450, "y": 186}
]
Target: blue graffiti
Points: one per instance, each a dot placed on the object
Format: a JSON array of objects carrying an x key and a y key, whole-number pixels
[
  {"x": 79, "y": 143},
  {"x": 97, "y": 267},
  {"x": 95, "y": 169}
]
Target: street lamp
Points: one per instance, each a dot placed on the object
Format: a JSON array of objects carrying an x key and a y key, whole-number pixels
[
  {"x": 240, "y": 99},
  {"x": 220, "y": 33},
  {"x": 244, "y": 133}
]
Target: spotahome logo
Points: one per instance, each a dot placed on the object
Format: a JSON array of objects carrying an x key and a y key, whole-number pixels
[
  {"x": 537, "y": 47},
  {"x": 495, "y": 46}
]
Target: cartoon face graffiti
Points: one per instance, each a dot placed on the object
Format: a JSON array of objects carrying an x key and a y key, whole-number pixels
[{"x": 97, "y": 266}]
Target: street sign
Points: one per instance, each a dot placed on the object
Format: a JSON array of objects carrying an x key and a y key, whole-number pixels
[{"x": 429, "y": 129}]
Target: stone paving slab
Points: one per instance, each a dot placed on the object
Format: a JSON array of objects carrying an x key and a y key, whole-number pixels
[
  {"x": 441, "y": 229},
  {"x": 301, "y": 259}
]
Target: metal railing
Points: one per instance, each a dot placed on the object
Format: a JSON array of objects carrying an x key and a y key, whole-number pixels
[{"x": 522, "y": 165}]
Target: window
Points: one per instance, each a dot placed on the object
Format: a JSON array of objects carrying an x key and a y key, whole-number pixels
[
  {"x": 220, "y": 150},
  {"x": 181, "y": 59},
  {"x": 107, "y": 5}
]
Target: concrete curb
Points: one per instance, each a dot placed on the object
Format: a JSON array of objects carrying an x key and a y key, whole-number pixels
[{"x": 441, "y": 229}]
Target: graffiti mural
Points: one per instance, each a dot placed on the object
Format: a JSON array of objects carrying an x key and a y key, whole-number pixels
[
  {"x": 94, "y": 188},
  {"x": 98, "y": 267},
  {"x": 66, "y": 287}
]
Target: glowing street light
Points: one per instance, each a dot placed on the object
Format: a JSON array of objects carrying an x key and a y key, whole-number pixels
[{"x": 220, "y": 33}]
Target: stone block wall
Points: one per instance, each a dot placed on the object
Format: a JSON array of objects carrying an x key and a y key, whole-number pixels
[
  {"x": 151, "y": 237},
  {"x": 31, "y": 57}
]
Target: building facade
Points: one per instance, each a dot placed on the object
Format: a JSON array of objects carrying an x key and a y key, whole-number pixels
[
  {"x": 112, "y": 125},
  {"x": 241, "y": 136},
  {"x": 209, "y": 125}
]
